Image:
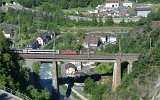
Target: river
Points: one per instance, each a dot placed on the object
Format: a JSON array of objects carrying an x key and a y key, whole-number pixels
[{"x": 45, "y": 74}]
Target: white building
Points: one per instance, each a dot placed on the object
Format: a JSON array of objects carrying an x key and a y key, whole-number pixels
[
  {"x": 40, "y": 41},
  {"x": 103, "y": 39},
  {"x": 70, "y": 70},
  {"x": 93, "y": 11},
  {"x": 142, "y": 11},
  {"x": 90, "y": 64},
  {"x": 127, "y": 4},
  {"x": 8, "y": 33},
  {"x": 77, "y": 64},
  {"x": 111, "y": 40},
  {"x": 111, "y": 3}
]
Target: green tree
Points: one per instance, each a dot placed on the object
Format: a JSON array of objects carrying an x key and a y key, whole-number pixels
[
  {"x": 2, "y": 14},
  {"x": 89, "y": 86},
  {"x": 94, "y": 21},
  {"x": 100, "y": 23},
  {"x": 109, "y": 21},
  {"x": 104, "y": 68}
]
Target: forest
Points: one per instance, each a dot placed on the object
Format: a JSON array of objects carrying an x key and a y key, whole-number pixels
[
  {"x": 65, "y": 4},
  {"x": 14, "y": 73}
]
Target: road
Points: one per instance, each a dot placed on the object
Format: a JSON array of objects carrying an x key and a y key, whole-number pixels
[
  {"x": 116, "y": 20},
  {"x": 78, "y": 94},
  {"x": 4, "y": 96}
]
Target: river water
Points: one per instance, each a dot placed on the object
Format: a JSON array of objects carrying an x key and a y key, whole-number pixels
[{"x": 45, "y": 74}]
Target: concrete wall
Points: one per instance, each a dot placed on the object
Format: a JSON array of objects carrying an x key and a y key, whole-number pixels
[{"x": 143, "y": 13}]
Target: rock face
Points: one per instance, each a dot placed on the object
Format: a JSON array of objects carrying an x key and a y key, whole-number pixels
[
  {"x": 156, "y": 90},
  {"x": 158, "y": 97}
]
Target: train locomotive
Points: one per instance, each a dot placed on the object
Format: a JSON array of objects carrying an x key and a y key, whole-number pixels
[{"x": 38, "y": 51}]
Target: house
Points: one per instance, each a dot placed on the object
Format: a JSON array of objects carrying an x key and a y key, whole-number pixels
[
  {"x": 5, "y": 4},
  {"x": 111, "y": 3},
  {"x": 90, "y": 64},
  {"x": 103, "y": 39},
  {"x": 90, "y": 42},
  {"x": 111, "y": 40},
  {"x": 70, "y": 70},
  {"x": 44, "y": 38},
  {"x": 93, "y": 11},
  {"x": 8, "y": 33},
  {"x": 143, "y": 11},
  {"x": 77, "y": 64},
  {"x": 12, "y": 2},
  {"x": 123, "y": 11},
  {"x": 33, "y": 44},
  {"x": 127, "y": 3}
]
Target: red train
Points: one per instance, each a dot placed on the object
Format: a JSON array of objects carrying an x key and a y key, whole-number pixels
[
  {"x": 68, "y": 52},
  {"x": 38, "y": 51}
]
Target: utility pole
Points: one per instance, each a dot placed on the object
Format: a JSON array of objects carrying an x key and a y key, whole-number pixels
[
  {"x": 88, "y": 46},
  {"x": 150, "y": 43},
  {"x": 54, "y": 45},
  {"x": 19, "y": 31},
  {"x": 54, "y": 40},
  {"x": 119, "y": 46}
]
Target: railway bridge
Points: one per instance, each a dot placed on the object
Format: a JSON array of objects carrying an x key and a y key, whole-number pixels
[{"x": 117, "y": 59}]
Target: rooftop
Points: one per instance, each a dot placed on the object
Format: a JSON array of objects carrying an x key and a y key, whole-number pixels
[
  {"x": 91, "y": 40},
  {"x": 32, "y": 42},
  {"x": 69, "y": 65},
  {"x": 143, "y": 9},
  {"x": 8, "y": 31}
]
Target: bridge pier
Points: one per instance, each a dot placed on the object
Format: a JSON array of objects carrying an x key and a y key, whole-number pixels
[
  {"x": 55, "y": 78},
  {"x": 130, "y": 66},
  {"x": 116, "y": 75}
]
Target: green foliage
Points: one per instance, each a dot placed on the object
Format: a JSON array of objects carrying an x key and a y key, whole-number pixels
[
  {"x": 38, "y": 94},
  {"x": 2, "y": 14},
  {"x": 94, "y": 21},
  {"x": 109, "y": 21},
  {"x": 90, "y": 86},
  {"x": 36, "y": 68},
  {"x": 15, "y": 75},
  {"x": 111, "y": 48},
  {"x": 131, "y": 10},
  {"x": 81, "y": 36},
  {"x": 150, "y": 1},
  {"x": 104, "y": 68},
  {"x": 154, "y": 15},
  {"x": 67, "y": 42},
  {"x": 12, "y": 73},
  {"x": 100, "y": 23},
  {"x": 96, "y": 90},
  {"x": 65, "y": 4},
  {"x": 146, "y": 69}
]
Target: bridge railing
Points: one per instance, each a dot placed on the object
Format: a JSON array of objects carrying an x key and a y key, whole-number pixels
[{"x": 14, "y": 93}]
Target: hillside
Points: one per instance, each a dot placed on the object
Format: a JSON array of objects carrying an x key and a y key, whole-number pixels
[{"x": 144, "y": 81}]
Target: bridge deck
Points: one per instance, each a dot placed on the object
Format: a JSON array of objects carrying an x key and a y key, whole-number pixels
[{"x": 111, "y": 57}]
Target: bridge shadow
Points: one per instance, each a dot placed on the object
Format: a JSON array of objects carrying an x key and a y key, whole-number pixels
[
  {"x": 124, "y": 66},
  {"x": 81, "y": 79}
]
